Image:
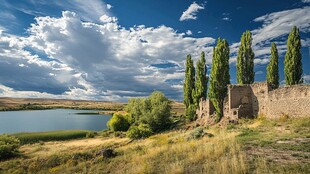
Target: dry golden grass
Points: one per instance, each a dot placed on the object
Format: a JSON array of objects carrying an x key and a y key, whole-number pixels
[
  {"x": 19, "y": 103},
  {"x": 168, "y": 152},
  {"x": 57, "y": 147}
]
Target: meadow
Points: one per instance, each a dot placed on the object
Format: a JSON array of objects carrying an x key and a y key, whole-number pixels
[
  {"x": 252, "y": 146},
  {"x": 36, "y": 137}
]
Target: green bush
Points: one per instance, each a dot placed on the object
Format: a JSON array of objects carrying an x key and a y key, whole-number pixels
[
  {"x": 196, "y": 134},
  {"x": 8, "y": 146},
  {"x": 191, "y": 113},
  {"x": 118, "y": 123},
  {"x": 154, "y": 111},
  {"x": 91, "y": 134},
  {"x": 141, "y": 131}
]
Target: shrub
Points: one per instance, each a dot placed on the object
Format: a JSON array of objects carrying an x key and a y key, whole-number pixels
[
  {"x": 141, "y": 131},
  {"x": 196, "y": 134},
  {"x": 118, "y": 123},
  {"x": 91, "y": 134},
  {"x": 8, "y": 146},
  {"x": 154, "y": 111},
  {"x": 191, "y": 113}
]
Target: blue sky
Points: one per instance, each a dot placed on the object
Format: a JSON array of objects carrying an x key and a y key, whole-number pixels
[{"x": 114, "y": 50}]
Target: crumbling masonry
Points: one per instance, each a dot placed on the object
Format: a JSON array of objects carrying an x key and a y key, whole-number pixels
[{"x": 249, "y": 101}]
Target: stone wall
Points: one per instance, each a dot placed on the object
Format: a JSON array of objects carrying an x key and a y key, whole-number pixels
[
  {"x": 293, "y": 101},
  {"x": 206, "y": 109},
  {"x": 259, "y": 99},
  {"x": 240, "y": 101}
]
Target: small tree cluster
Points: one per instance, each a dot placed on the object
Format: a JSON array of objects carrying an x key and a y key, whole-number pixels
[
  {"x": 189, "y": 81},
  {"x": 195, "y": 88},
  {"x": 245, "y": 60},
  {"x": 219, "y": 77},
  {"x": 145, "y": 116},
  {"x": 8, "y": 146},
  {"x": 201, "y": 80},
  {"x": 272, "y": 75},
  {"x": 118, "y": 122},
  {"x": 195, "y": 85},
  {"x": 292, "y": 62},
  {"x": 140, "y": 131}
]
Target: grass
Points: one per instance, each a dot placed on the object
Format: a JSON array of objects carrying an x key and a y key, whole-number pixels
[
  {"x": 10, "y": 104},
  {"x": 35, "y": 137},
  {"x": 254, "y": 146}
]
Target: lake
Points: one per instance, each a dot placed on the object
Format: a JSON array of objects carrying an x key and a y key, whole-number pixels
[{"x": 50, "y": 120}]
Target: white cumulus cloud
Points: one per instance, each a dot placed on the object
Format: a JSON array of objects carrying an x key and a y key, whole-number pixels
[
  {"x": 191, "y": 12},
  {"x": 97, "y": 60},
  {"x": 275, "y": 28},
  {"x": 189, "y": 32},
  {"x": 109, "y": 6}
]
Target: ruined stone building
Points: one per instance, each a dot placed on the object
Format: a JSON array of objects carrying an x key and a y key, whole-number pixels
[{"x": 249, "y": 101}]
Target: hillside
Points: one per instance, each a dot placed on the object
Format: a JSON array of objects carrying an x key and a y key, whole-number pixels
[{"x": 252, "y": 146}]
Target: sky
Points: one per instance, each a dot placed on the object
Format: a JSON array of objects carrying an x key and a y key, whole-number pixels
[{"x": 114, "y": 50}]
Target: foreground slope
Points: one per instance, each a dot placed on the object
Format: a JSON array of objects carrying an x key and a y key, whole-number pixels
[{"x": 253, "y": 146}]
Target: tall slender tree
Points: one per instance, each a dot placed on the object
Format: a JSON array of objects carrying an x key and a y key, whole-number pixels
[
  {"x": 245, "y": 60},
  {"x": 272, "y": 76},
  {"x": 219, "y": 77},
  {"x": 292, "y": 61},
  {"x": 189, "y": 81},
  {"x": 201, "y": 81}
]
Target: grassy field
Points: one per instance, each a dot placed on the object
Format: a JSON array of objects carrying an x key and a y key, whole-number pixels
[
  {"x": 7, "y": 104},
  {"x": 13, "y": 104},
  {"x": 253, "y": 146},
  {"x": 35, "y": 137}
]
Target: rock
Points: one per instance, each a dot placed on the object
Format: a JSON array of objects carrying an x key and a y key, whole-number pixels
[{"x": 107, "y": 153}]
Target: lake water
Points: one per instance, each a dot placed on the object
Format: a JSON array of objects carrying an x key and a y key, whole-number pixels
[{"x": 50, "y": 120}]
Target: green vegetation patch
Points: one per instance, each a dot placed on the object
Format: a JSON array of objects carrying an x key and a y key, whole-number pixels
[
  {"x": 8, "y": 146},
  {"x": 26, "y": 138},
  {"x": 88, "y": 113}
]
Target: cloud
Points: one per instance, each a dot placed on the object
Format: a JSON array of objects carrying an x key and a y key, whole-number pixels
[
  {"x": 68, "y": 58},
  {"x": 275, "y": 28},
  {"x": 191, "y": 12},
  {"x": 226, "y": 19},
  {"x": 259, "y": 72},
  {"x": 108, "y": 19},
  {"x": 306, "y": 79},
  {"x": 280, "y": 24},
  {"x": 305, "y": 1},
  {"x": 189, "y": 32},
  {"x": 90, "y": 10},
  {"x": 109, "y": 6}
]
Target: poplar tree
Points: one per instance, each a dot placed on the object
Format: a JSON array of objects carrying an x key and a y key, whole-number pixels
[
  {"x": 292, "y": 61},
  {"x": 272, "y": 76},
  {"x": 201, "y": 80},
  {"x": 245, "y": 60},
  {"x": 219, "y": 77},
  {"x": 189, "y": 81}
]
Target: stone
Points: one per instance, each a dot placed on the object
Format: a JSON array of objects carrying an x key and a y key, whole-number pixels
[
  {"x": 107, "y": 153},
  {"x": 249, "y": 101}
]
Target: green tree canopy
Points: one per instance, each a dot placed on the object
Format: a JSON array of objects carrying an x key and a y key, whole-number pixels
[
  {"x": 292, "y": 62},
  {"x": 118, "y": 122},
  {"x": 154, "y": 111},
  {"x": 201, "y": 82},
  {"x": 189, "y": 81},
  {"x": 219, "y": 77},
  {"x": 245, "y": 60},
  {"x": 272, "y": 76}
]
